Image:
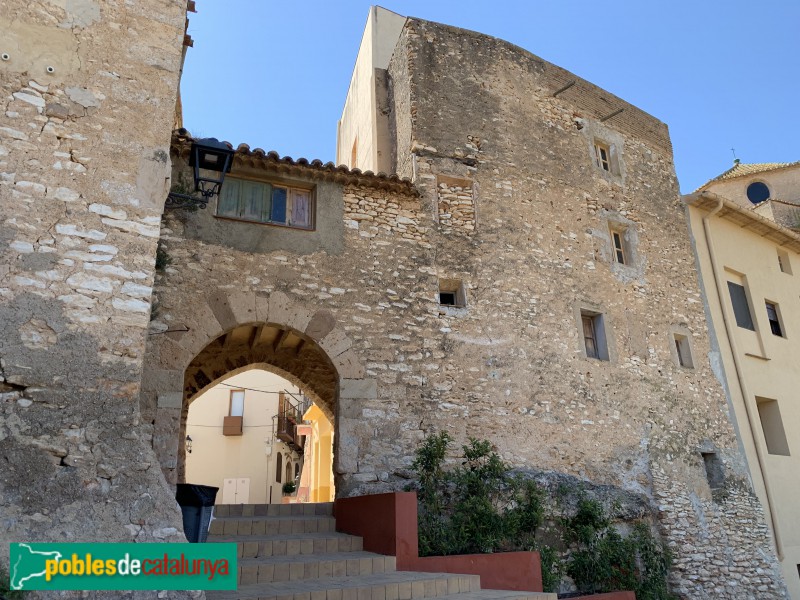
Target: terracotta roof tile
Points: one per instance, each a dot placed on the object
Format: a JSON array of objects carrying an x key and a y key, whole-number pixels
[
  {"x": 744, "y": 169},
  {"x": 182, "y": 142}
]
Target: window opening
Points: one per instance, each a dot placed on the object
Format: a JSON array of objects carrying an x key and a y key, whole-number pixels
[
  {"x": 741, "y": 309},
  {"x": 237, "y": 403},
  {"x": 594, "y": 335},
  {"x": 757, "y": 192},
  {"x": 266, "y": 203},
  {"x": 784, "y": 263},
  {"x": 602, "y": 155},
  {"x": 772, "y": 425},
  {"x": 452, "y": 293},
  {"x": 684, "y": 351},
  {"x": 278, "y": 467},
  {"x": 774, "y": 321},
  {"x": 715, "y": 470}
]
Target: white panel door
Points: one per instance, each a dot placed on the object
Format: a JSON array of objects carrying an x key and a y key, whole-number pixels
[
  {"x": 242, "y": 491},
  {"x": 229, "y": 491}
]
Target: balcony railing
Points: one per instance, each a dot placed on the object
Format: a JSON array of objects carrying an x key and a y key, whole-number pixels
[{"x": 290, "y": 413}]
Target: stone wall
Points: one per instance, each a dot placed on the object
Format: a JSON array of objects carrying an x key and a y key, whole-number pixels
[
  {"x": 88, "y": 99},
  {"x": 514, "y": 369}
]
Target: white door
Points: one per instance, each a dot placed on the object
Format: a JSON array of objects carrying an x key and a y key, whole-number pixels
[
  {"x": 236, "y": 491},
  {"x": 242, "y": 491},
  {"x": 229, "y": 491}
]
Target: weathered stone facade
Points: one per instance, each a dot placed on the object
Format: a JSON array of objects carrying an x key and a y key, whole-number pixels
[
  {"x": 88, "y": 99},
  {"x": 512, "y": 365},
  {"x": 506, "y": 198}
]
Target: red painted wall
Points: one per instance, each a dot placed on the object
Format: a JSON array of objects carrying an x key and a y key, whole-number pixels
[{"x": 388, "y": 525}]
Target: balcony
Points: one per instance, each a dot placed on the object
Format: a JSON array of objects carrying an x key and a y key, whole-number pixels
[{"x": 289, "y": 416}]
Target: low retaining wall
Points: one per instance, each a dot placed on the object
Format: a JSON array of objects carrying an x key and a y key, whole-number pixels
[{"x": 388, "y": 525}]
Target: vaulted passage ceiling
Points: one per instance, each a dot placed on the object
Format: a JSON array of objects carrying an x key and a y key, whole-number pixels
[{"x": 305, "y": 363}]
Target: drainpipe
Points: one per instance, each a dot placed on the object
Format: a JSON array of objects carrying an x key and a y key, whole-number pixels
[{"x": 751, "y": 418}]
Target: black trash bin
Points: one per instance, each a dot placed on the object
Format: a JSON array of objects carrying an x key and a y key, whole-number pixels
[{"x": 197, "y": 504}]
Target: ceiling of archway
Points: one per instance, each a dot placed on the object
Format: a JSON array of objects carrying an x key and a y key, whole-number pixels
[{"x": 284, "y": 348}]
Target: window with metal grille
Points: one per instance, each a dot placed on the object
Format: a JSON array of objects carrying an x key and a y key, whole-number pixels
[{"x": 741, "y": 308}]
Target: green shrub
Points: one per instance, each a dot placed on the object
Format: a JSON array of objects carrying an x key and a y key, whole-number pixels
[{"x": 478, "y": 507}]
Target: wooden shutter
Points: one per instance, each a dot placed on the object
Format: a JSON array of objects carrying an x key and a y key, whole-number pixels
[{"x": 228, "y": 205}]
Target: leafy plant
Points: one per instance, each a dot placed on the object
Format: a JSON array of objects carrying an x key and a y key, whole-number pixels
[
  {"x": 603, "y": 560},
  {"x": 289, "y": 487},
  {"x": 478, "y": 507}
]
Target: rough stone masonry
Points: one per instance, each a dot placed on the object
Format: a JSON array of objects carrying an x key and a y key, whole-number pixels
[
  {"x": 507, "y": 201},
  {"x": 87, "y": 102}
]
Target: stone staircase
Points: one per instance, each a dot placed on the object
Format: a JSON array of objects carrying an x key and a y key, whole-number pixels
[{"x": 293, "y": 552}]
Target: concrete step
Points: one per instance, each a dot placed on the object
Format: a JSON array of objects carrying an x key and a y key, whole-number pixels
[
  {"x": 254, "y": 546},
  {"x": 273, "y": 510},
  {"x": 398, "y": 585},
  {"x": 272, "y": 525},
  {"x": 276, "y": 569}
]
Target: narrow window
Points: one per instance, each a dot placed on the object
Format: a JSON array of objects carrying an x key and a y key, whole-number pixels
[
  {"x": 684, "y": 351},
  {"x": 774, "y": 321},
  {"x": 741, "y": 309},
  {"x": 772, "y": 426},
  {"x": 784, "y": 263},
  {"x": 715, "y": 470},
  {"x": 296, "y": 470},
  {"x": 619, "y": 247},
  {"x": 602, "y": 156},
  {"x": 452, "y": 293},
  {"x": 354, "y": 154},
  {"x": 278, "y": 467},
  {"x": 594, "y": 335},
  {"x": 236, "y": 408},
  {"x": 288, "y": 471}
]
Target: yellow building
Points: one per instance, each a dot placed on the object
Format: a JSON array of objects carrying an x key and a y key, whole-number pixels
[
  {"x": 316, "y": 481},
  {"x": 233, "y": 439},
  {"x": 749, "y": 261}
]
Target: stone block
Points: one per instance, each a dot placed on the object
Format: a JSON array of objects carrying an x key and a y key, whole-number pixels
[
  {"x": 243, "y": 307},
  {"x": 321, "y": 324},
  {"x": 348, "y": 365},
  {"x": 335, "y": 343},
  {"x": 170, "y": 400},
  {"x": 366, "y": 389}
]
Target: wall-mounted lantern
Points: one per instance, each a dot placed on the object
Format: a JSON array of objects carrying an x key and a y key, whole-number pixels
[
  {"x": 210, "y": 159},
  {"x": 189, "y": 444}
]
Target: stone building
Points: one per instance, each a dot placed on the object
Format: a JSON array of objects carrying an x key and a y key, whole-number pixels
[
  {"x": 747, "y": 256},
  {"x": 527, "y": 279},
  {"x": 524, "y": 279}
]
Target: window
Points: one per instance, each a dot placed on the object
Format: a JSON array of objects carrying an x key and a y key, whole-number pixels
[
  {"x": 594, "y": 335},
  {"x": 296, "y": 470},
  {"x": 354, "y": 154},
  {"x": 715, "y": 470},
  {"x": 278, "y": 467},
  {"x": 784, "y": 263},
  {"x": 602, "y": 156},
  {"x": 757, "y": 192},
  {"x": 772, "y": 426},
  {"x": 619, "y": 248},
  {"x": 452, "y": 293},
  {"x": 774, "y": 320},
  {"x": 236, "y": 407},
  {"x": 684, "y": 350},
  {"x": 741, "y": 309},
  {"x": 288, "y": 471},
  {"x": 266, "y": 203}
]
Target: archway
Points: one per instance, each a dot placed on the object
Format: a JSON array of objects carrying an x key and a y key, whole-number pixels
[{"x": 215, "y": 335}]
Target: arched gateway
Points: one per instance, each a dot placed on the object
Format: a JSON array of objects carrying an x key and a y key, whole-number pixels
[{"x": 223, "y": 334}]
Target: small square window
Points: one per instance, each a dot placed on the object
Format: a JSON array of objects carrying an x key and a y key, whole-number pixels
[
  {"x": 602, "y": 156},
  {"x": 741, "y": 308},
  {"x": 774, "y": 319},
  {"x": 684, "y": 350},
  {"x": 772, "y": 425},
  {"x": 594, "y": 335},
  {"x": 452, "y": 293}
]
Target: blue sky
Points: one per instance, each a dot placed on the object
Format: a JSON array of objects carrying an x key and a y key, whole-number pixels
[{"x": 721, "y": 75}]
